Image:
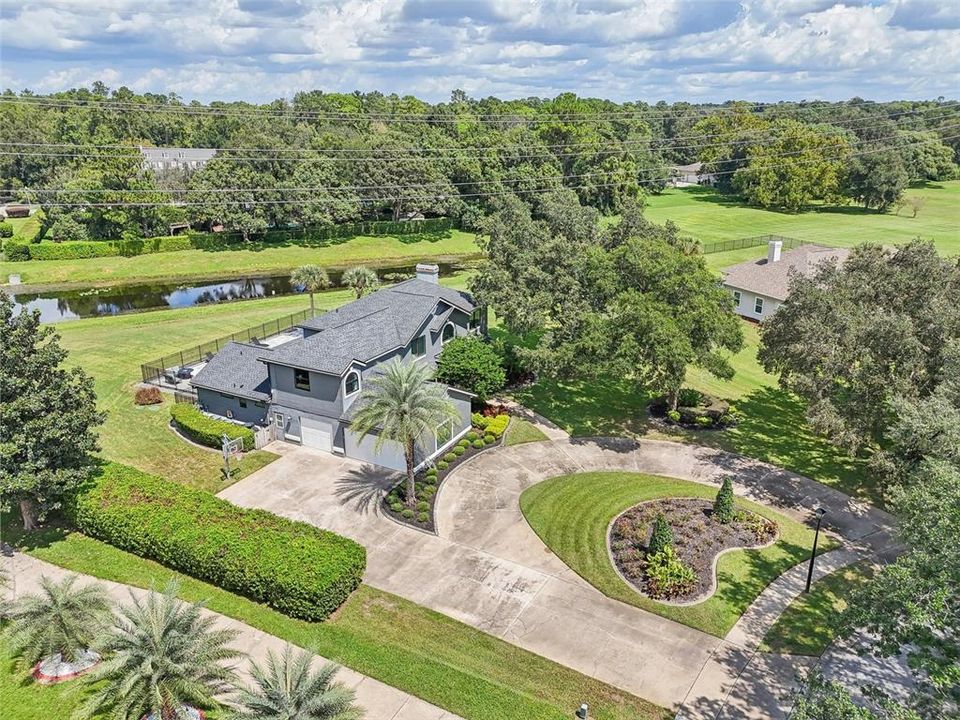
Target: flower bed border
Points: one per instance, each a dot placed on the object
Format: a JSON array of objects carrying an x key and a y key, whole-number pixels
[{"x": 713, "y": 565}]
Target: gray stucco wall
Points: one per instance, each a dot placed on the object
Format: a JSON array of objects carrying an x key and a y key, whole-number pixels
[
  {"x": 219, "y": 403},
  {"x": 323, "y": 397}
]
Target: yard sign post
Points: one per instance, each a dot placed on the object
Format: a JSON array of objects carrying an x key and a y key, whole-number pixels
[{"x": 230, "y": 447}]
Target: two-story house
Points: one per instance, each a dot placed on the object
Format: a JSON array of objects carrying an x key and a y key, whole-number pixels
[{"x": 307, "y": 388}]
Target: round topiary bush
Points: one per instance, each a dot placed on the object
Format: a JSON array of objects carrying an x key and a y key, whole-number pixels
[
  {"x": 6, "y": 229},
  {"x": 471, "y": 436},
  {"x": 396, "y": 506},
  {"x": 443, "y": 465},
  {"x": 458, "y": 451},
  {"x": 423, "y": 517},
  {"x": 449, "y": 457},
  {"x": 489, "y": 439},
  {"x": 478, "y": 444},
  {"x": 393, "y": 498},
  {"x": 423, "y": 505},
  {"x": 407, "y": 513},
  {"x": 431, "y": 472},
  {"x": 430, "y": 480}
]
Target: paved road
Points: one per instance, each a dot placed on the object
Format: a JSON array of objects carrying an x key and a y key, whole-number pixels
[
  {"x": 379, "y": 701},
  {"x": 488, "y": 569}
]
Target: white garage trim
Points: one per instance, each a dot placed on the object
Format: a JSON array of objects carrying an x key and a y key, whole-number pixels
[{"x": 316, "y": 434}]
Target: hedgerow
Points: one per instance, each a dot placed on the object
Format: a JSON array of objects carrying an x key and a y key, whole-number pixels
[
  {"x": 207, "y": 430},
  {"x": 296, "y": 568}
]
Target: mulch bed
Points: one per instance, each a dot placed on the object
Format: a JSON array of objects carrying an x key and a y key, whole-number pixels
[
  {"x": 55, "y": 669},
  {"x": 698, "y": 539}
]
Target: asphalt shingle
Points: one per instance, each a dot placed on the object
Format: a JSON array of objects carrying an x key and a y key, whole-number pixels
[
  {"x": 773, "y": 279},
  {"x": 237, "y": 370}
]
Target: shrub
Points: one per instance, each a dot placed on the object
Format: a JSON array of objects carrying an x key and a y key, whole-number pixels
[
  {"x": 489, "y": 439},
  {"x": 396, "y": 506},
  {"x": 515, "y": 367},
  {"x": 667, "y": 575},
  {"x": 704, "y": 420},
  {"x": 723, "y": 505},
  {"x": 478, "y": 444},
  {"x": 449, "y": 457},
  {"x": 6, "y": 229},
  {"x": 498, "y": 425},
  {"x": 479, "y": 421},
  {"x": 148, "y": 396},
  {"x": 443, "y": 465},
  {"x": 688, "y": 397},
  {"x": 471, "y": 436},
  {"x": 431, "y": 471},
  {"x": 423, "y": 505},
  {"x": 463, "y": 442},
  {"x": 207, "y": 430},
  {"x": 423, "y": 517},
  {"x": 673, "y": 416},
  {"x": 429, "y": 491},
  {"x": 471, "y": 364},
  {"x": 16, "y": 251},
  {"x": 407, "y": 513},
  {"x": 661, "y": 537},
  {"x": 294, "y": 567},
  {"x": 458, "y": 451}
]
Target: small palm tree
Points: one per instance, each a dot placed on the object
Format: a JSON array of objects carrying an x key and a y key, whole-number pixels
[
  {"x": 164, "y": 654},
  {"x": 401, "y": 405},
  {"x": 61, "y": 619},
  {"x": 287, "y": 689},
  {"x": 361, "y": 279},
  {"x": 311, "y": 278}
]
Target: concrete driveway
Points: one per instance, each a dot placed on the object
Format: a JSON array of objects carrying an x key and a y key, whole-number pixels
[{"x": 488, "y": 569}]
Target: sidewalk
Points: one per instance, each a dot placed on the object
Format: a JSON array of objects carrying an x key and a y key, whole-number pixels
[{"x": 379, "y": 701}]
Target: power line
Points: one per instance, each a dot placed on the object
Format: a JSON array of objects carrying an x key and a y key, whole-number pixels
[{"x": 436, "y": 196}]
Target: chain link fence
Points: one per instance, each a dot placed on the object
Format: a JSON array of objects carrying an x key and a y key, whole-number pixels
[{"x": 749, "y": 242}]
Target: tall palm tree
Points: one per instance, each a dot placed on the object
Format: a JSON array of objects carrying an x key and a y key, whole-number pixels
[
  {"x": 164, "y": 654},
  {"x": 311, "y": 278},
  {"x": 63, "y": 618},
  {"x": 361, "y": 279},
  {"x": 402, "y": 405},
  {"x": 286, "y": 689}
]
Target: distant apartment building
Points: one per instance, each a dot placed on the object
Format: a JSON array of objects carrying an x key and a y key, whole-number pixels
[{"x": 159, "y": 159}]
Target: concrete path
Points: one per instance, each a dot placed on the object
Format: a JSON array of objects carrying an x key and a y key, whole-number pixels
[
  {"x": 488, "y": 569},
  {"x": 380, "y": 701}
]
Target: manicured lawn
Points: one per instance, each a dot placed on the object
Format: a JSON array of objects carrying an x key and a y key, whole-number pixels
[
  {"x": 25, "y": 228},
  {"x": 806, "y": 627},
  {"x": 572, "y": 513},
  {"x": 522, "y": 431},
  {"x": 709, "y": 216},
  {"x": 774, "y": 429},
  {"x": 251, "y": 260},
  {"x": 23, "y": 699},
  {"x": 445, "y": 662},
  {"x": 111, "y": 350}
]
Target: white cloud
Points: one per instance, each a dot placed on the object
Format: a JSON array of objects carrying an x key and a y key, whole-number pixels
[{"x": 623, "y": 49}]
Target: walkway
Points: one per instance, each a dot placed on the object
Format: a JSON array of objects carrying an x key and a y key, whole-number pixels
[
  {"x": 380, "y": 701},
  {"x": 488, "y": 569}
]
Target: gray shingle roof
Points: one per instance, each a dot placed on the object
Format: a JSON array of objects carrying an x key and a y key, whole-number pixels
[
  {"x": 773, "y": 279},
  {"x": 236, "y": 370},
  {"x": 369, "y": 327}
]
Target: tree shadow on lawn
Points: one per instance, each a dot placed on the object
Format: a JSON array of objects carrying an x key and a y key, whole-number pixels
[
  {"x": 264, "y": 242},
  {"x": 51, "y": 532}
]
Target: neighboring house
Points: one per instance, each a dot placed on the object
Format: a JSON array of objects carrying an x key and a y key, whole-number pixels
[
  {"x": 759, "y": 287},
  {"x": 308, "y": 388},
  {"x": 171, "y": 158},
  {"x": 686, "y": 175}
]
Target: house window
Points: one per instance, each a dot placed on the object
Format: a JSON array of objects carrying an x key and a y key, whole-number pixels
[
  {"x": 243, "y": 403},
  {"x": 449, "y": 333},
  {"x": 259, "y": 404},
  {"x": 228, "y": 397},
  {"x": 351, "y": 385},
  {"x": 475, "y": 319},
  {"x": 278, "y": 419},
  {"x": 443, "y": 434},
  {"x": 736, "y": 298},
  {"x": 301, "y": 379},
  {"x": 758, "y": 306},
  {"x": 419, "y": 346}
]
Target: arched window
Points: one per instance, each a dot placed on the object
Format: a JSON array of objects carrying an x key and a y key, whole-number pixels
[
  {"x": 449, "y": 332},
  {"x": 352, "y": 384}
]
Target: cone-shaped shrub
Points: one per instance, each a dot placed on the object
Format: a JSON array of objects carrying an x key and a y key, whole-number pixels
[
  {"x": 723, "y": 505},
  {"x": 661, "y": 537}
]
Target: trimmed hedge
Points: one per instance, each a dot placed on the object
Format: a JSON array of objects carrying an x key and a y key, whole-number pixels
[
  {"x": 296, "y": 568},
  {"x": 16, "y": 251},
  {"x": 206, "y": 430},
  {"x": 80, "y": 249}
]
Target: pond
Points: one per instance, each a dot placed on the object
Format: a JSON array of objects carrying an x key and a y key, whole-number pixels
[{"x": 68, "y": 304}]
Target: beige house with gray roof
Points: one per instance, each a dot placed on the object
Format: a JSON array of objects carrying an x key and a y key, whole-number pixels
[{"x": 759, "y": 287}]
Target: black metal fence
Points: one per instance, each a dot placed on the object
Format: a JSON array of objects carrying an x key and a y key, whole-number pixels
[
  {"x": 748, "y": 242},
  {"x": 155, "y": 370}
]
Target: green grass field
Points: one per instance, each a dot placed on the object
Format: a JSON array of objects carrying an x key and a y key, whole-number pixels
[
  {"x": 522, "y": 431},
  {"x": 429, "y": 655},
  {"x": 572, "y": 514},
  {"x": 25, "y": 228},
  {"x": 807, "y": 626},
  {"x": 709, "y": 216},
  {"x": 111, "y": 349},
  {"x": 773, "y": 430},
  {"x": 258, "y": 259}
]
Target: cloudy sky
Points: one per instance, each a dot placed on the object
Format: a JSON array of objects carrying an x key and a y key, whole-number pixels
[{"x": 622, "y": 49}]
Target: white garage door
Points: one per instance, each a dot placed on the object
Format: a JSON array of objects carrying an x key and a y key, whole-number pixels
[{"x": 316, "y": 434}]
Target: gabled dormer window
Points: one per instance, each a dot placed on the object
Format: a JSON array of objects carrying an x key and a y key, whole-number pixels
[
  {"x": 351, "y": 384},
  {"x": 449, "y": 333},
  {"x": 419, "y": 346}
]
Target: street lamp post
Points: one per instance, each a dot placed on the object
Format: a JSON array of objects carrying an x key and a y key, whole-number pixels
[{"x": 813, "y": 553}]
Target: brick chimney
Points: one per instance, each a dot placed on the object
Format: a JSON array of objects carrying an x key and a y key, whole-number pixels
[
  {"x": 773, "y": 251},
  {"x": 428, "y": 273}
]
